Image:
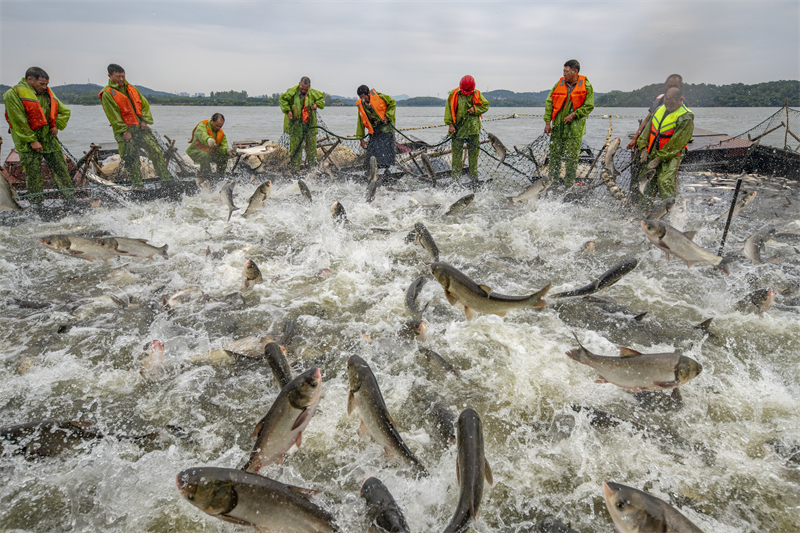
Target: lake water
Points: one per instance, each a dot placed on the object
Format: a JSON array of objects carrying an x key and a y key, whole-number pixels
[{"x": 728, "y": 459}]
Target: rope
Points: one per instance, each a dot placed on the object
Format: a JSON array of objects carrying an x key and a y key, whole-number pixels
[{"x": 52, "y": 191}]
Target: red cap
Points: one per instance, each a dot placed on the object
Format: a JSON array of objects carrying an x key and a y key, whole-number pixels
[{"x": 467, "y": 84}]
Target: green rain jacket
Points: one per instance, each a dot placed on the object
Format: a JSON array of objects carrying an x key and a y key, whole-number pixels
[
  {"x": 576, "y": 128},
  {"x": 684, "y": 128},
  {"x": 471, "y": 124},
  {"x": 112, "y": 110},
  {"x": 375, "y": 120},
  {"x": 21, "y": 132},
  {"x": 291, "y": 101},
  {"x": 201, "y": 134}
]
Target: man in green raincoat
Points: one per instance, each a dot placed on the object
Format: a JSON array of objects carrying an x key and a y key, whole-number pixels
[
  {"x": 299, "y": 105},
  {"x": 671, "y": 128},
  {"x": 462, "y": 114},
  {"x": 34, "y": 115},
  {"x": 567, "y": 106},
  {"x": 209, "y": 144},
  {"x": 128, "y": 113}
]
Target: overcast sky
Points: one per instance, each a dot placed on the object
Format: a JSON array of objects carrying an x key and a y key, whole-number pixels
[{"x": 416, "y": 48}]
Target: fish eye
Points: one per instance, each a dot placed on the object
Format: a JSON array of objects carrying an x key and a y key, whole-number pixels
[
  {"x": 190, "y": 496},
  {"x": 620, "y": 504}
]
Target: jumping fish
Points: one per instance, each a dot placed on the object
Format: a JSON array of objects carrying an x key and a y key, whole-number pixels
[
  {"x": 7, "y": 194},
  {"x": 533, "y": 191},
  {"x": 606, "y": 279},
  {"x": 412, "y": 293},
  {"x": 634, "y": 511},
  {"x": 382, "y": 510},
  {"x": 252, "y": 274},
  {"x": 338, "y": 213},
  {"x": 423, "y": 237},
  {"x": 276, "y": 358},
  {"x": 372, "y": 182},
  {"x": 77, "y": 246},
  {"x": 304, "y": 190},
  {"x": 680, "y": 244},
  {"x": 758, "y": 301},
  {"x": 745, "y": 200},
  {"x": 133, "y": 247},
  {"x": 459, "y": 205},
  {"x": 661, "y": 209},
  {"x": 754, "y": 245},
  {"x": 226, "y": 196},
  {"x": 499, "y": 148},
  {"x": 258, "y": 198}
]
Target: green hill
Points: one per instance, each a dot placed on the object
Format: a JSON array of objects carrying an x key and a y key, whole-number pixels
[{"x": 768, "y": 94}]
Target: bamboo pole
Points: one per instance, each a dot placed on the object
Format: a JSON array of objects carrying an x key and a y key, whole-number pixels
[
  {"x": 786, "y": 135},
  {"x": 779, "y": 126}
]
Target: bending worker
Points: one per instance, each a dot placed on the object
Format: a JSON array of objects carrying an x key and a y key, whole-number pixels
[
  {"x": 209, "y": 144},
  {"x": 128, "y": 113},
  {"x": 34, "y": 115},
  {"x": 567, "y": 106},
  {"x": 462, "y": 114},
  {"x": 671, "y": 128},
  {"x": 376, "y": 115},
  {"x": 299, "y": 105},
  {"x": 674, "y": 80}
]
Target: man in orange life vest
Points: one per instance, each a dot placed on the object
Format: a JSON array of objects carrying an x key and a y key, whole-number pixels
[
  {"x": 209, "y": 144},
  {"x": 462, "y": 114},
  {"x": 567, "y": 106},
  {"x": 128, "y": 113},
  {"x": 376, "y": 115},
  {"x": 34, "y": 115},
  {"x": 671, "y": 128}
]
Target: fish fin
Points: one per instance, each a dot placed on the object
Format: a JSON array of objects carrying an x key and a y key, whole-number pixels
[
  {"x": 486, "y": 289},
  {"x": 142, "y": 240},
  {"x": 601, "y": 379},
  {"x": 279, "y": 460},
  {"x": 301, "y": 419},
  {"x": 574, "y": 354},
  {"x": 120, "y": 252},
  {"x": 233, "y": 520},
  {"x": 667, "y": 254},
  {"x": 391, "y": 420},
  {"x": 245, "y": 283},
  {"x": 627, "y": 352},
  {"x": 666, "y": 384},
  {"x": 163, "y": 251},
  {"x": 302, "y": 491},
  {"x": 540, "y": 296},
  {"x": 230, "y": 212},
  {"x": 298, "y": 440},
  {"x": 351, "y": 403},
  {"x": 640, "y": 316},
  {"x": 676, "y": 394},
  {"x": 704, "y": 325},
  {"x": 362, "y": 430},
  {"x": 458, "y": 472},
  {"x": 258, "y": 429},
  {"x": 690, "y": 234},
  {"x": 470, "y": 313},
  {"x": 501, "y": 314},
  {"x": 450, "y": 298},
  {"x": 488, "y": 472}
]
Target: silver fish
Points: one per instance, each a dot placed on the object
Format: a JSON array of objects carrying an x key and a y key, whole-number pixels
[
  {"x": 639, "y": 371},
  {"x": 276, "y": 358},
  {"x": 754, "y": 245},
  {"x": 252, "y": 274},
  {"x": 460, "y": 288},
  {"x": 680, "y": 244},
  {"x": 459, "y": 205},
  {"x": 533, "y": 191},
  {"x": 661, "y": 209},
  {"x": 252, "y": 500},
  {"x": 382, "y": 510},
  {"x": 304, "y": 190},
  {"x": 423, "y": 237},
  {"x": 412, "y": 293},
  {"x": 284, "y": 423},
  {"x": 499, "y": 148},
  {"x": 226, "y": 195},
  {"x": 133, "y": 247},
  {"x": 438, "y": 362},
  {"x": 77, "y": 246},
  {"x": 7, "y": 195},
  {"x": 471, "y": 469},
  {"x": 758, "y": 301},
  {"x": 258, "y": 198},
  {"x": 415, "y": 329},
  {"x": 634, "y": 511},
  {"x": 365, "y": 395},
  {"x": 372, "y": 182},
  {"x": 742, "y": 202},
  {"x": 338, "y": 213},
  {"x": 606, "y": 279}
]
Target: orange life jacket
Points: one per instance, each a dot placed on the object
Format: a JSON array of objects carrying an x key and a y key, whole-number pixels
[
  {"x": 130, "y": 107},
  {"x": 662, "y": 126},
  {"x": 205, "y": 147},
  {"x": 377, "y": 104},
  {"x": 34, "y": 111},
  {"x": 306, "y": 112},
  {"x": 476, "y": 100},
  {"x": 578, "y": 95}
]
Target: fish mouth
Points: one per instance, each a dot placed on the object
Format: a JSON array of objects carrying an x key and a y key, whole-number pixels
[
  {"x": 608, "y": 491},
  {"x": 182, "y": 485}
]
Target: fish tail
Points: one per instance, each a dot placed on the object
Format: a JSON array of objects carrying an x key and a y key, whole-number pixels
[
  {"x": 574, "y": 354},
  {"x": 163, "y": 251},
  {"x": 537, "y": 299}
]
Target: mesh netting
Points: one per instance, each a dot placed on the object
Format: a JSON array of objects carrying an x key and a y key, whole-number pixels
[{"x": 776, "y": 131}]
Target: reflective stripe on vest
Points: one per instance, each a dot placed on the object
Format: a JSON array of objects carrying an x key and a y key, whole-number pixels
[
  {"x": 578, "y": 95},
  {"x": 377, "y": 104},
  {"x": 476, "y": 101},
  {"x": 130, "y": 107},
  {"x": 33, "y": 110},
  {"x": 662, "y": 126},
  {"x": 205, "y": 147}
]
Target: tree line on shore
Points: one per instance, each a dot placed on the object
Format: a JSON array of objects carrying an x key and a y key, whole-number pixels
[{"x": 768, "y": 94}]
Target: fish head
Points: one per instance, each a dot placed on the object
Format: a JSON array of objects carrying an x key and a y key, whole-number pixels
[
  {"x": 251, "y": 270},
  {"x": 687, "y": 369},
  {"x": 56, "y": 242},
  {"x": 418, "y": 328},
  {"x": 764, "y": 299},
  {"x": 357, "y": 371},
  {"x": 653, "y": 229},
  {"x": 371, "y": 485},
  {"x": 304, "y": 390},
  {"x": 632, "y": 510},
  {"x": 109, "y": 243},
  {"x": 210, "y": 495},
  {"x": 265, "y": 187},
  {"x": 440, "y": 273}
]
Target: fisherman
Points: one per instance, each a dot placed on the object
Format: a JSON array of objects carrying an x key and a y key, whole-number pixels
[
  {"x": 34, "y": 115},
  {"x": 462, "y": 114},
  {"x": 567, "y": 106},
  {"x": 209, "y": 144},
  {"x": 376, "y": 115},
  {"x": 673, "y": 80},
  {"x": 299, "y": 104},
  {"x": 128, "y": 113},
  {"x": 671, "y": 128}
]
